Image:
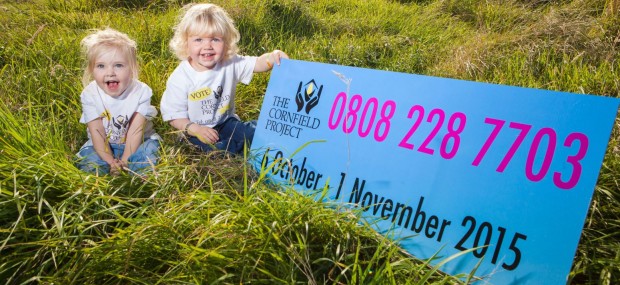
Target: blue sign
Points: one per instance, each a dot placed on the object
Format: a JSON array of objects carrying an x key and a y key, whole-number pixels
[{"x": 474, "y": 173}]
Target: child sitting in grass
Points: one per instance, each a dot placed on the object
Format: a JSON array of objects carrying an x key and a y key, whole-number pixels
[
  {"x": 116, "y": 107},
  {"x": 200, "y": 94}
]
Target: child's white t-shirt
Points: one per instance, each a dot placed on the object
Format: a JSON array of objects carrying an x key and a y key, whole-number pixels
[
  {"x": 116, "y": 112},
  {"x": 208, "y": 97}
]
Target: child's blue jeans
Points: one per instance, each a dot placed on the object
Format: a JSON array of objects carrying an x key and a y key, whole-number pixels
[
  {"x": 146, "y": 155},
  {"x": 233, "y": 133}
]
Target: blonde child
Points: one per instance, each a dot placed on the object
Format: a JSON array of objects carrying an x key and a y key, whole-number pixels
[
  {"x": 116, "y": 107},
  {"x": 200, "y": 93}
]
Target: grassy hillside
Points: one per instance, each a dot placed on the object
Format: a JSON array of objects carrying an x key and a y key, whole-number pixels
[{"x": 201, "y": 219}]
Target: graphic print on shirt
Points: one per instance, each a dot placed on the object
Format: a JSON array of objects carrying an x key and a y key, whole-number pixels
[
  {"x": 200, "y": 94},
  {"x": 218, "y": 93},
  {"x": 213, "y": 104},
  {"x": 119, "y": 129},
  {"x": 106, "y": 115},
  {"x": 218, "y": 96}
]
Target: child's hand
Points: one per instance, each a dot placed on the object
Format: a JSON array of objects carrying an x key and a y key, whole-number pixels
[
  {"x": 276, "y": 55},
  {"x": 204, "y": 133},
  {"x": 116, "y": 167},
  {"x": 124, "y": 164},
  {"x": 268, "y": 60}
]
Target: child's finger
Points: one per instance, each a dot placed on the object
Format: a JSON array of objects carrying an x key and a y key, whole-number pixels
[
  {"x": 208, "y": 136},
  {"x": 276, "y": 54},
  {"x": 202, "y": 139}
]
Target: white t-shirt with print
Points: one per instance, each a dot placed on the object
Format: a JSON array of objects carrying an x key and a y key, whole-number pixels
[
  {"x": 208, "y": 97},
  {"x": 116, "y": 112}
]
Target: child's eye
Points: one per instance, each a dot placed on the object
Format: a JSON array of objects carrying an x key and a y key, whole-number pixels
[
  {"x": 216, "y": 40},
  {"x": 99, "y": 66},
  {"x": 119, "y": 65},
  {"x": 198, "y": 40}
]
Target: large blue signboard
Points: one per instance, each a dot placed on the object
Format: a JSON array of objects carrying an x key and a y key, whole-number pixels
[{"x": 495, "y": 175}]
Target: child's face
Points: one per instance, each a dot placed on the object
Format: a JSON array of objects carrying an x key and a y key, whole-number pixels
[
  {"x": 112, "y": 72},
  {"x": 205, "y": 51}
]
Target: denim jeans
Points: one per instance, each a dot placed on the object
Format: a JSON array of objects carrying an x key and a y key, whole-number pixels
[
  {"x": 146, "y": 155},
  {"x": 234, "y": 134}
]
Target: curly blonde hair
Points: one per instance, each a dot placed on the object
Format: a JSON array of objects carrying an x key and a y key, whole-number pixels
[
  {"x": 204, "y": 19},
  {"x": 104, "y": 40}
]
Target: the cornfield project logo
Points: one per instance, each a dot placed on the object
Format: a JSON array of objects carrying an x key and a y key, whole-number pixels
[
  {"x": 309, "y": 97},
  {"x": 285, "y": 122}
]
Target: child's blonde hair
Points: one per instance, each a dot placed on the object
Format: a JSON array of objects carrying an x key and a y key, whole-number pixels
[
  {"x": 103, "y": 40},
  {"x": 204, "y": 19}
]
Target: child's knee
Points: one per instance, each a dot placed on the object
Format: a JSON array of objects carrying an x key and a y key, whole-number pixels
[
  {"x": 151, "y": 147},
  {"x": 148, "y": 152},
  {"x": 93, "y": 165},
  {"x": 89, "y": 161}
]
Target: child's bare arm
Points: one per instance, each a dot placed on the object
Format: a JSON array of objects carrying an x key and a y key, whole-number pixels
[
  {"x": 266, "y": 61},
  {"x": 101, "y": 146},
  {"x": 135, "y": 136},
  {"x": 203, "y": 133}
]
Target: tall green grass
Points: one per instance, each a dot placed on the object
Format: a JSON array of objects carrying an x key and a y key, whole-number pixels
[{"x": 205, "y": 219}]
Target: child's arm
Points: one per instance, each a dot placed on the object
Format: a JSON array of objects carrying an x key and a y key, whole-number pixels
[
  {"x": 266, "y": 61},
  {"x": 134, "y": 137},
  {"x": 100, "y": 144},
  {"x": 203, "y": 133}
]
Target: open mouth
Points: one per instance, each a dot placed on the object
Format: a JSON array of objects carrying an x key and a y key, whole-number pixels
[
  {"x": 208, "y": 55},
  {"x": 112, "y": 84}
]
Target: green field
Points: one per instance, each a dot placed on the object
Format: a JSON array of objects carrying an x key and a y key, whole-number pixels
[{"x": 204, "y": 219}]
